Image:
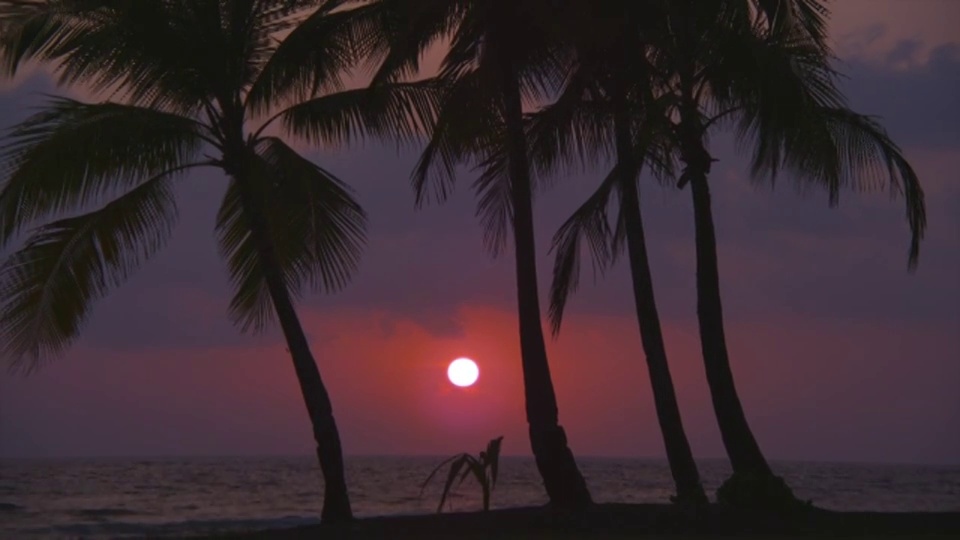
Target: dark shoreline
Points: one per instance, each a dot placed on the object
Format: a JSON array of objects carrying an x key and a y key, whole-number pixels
[{"x": 628, "y": 520}]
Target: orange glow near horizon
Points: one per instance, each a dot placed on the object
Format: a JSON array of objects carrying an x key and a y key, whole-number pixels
[{"x": 386, "y": 374}]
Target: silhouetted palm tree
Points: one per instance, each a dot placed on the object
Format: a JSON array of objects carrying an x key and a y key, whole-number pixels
[
  {"x": 763, "y": 66},
  {"x": 691, "y": 67},
  {"x": 191, "y": 77},
  {"x": 609, "y": 104},
  {"x": 501, "y": 53}
]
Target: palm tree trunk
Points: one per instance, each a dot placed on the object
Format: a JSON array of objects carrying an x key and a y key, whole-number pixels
[
  {"x": 564, "y": 484},
  {"x": 742, "y": 448},
  {"x": 682, "y": 465},
  {"x": 336, "y": 502}
]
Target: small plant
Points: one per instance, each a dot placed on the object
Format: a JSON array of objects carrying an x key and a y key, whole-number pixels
[{"x": 483, "y": 467}]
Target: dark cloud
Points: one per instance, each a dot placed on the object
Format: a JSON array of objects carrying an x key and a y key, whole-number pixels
[{"x": 918, "y": 104}]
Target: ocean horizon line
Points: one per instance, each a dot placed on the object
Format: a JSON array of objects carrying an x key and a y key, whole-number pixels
[{"x": 583, "y": 457}]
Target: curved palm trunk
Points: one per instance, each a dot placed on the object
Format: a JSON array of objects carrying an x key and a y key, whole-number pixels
[
  {"x": 682, "y": 465},
  {"x": 742, "y": 448},
  {"x": 336, "y": 502},
  {"x": 564, "y": 484}
]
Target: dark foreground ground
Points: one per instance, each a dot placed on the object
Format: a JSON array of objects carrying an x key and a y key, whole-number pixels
[{"x": 615, "y": 521}]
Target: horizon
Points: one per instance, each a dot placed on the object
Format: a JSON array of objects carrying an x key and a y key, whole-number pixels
[
  {"x": 580, "y": 457},
  {"x": 839, "y": 355}
]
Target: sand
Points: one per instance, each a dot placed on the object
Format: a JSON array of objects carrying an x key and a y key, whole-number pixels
[{"x": 615, "y": 521}]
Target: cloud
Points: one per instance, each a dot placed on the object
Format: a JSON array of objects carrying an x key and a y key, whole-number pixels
[
  {"x": 872, "y": 29},
  {"x": 916, "y": 104}
]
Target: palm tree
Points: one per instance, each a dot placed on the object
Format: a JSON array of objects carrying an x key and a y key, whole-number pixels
[
  {"x": 619, "y": 111},
  {"x": 764, "y": 67},
  {"x": 501, "y": 53},
  {"x": 191, "y": 77},
  {"x": 694, "y": 67}
]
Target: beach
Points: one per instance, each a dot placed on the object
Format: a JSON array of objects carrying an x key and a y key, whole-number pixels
[
  {"x": 176, "y": 497},
  {"x": 616, "y": 521}
]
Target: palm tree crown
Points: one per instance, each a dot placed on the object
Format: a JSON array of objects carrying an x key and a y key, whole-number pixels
[{"x": 192, "y": 78}]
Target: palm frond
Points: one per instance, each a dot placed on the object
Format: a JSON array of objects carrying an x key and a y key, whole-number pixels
[
  {"x": 470, "y": 129},
  {"x": 655, "y": 143},
  {"x": 457, "y": 462},
  {"x": 494, "y": 208},
  {"x": 158, "y": 54},
  {"x": 762, "y": 76},
  {"x": 437, "y": 469},
  {"x": 493, "y": 459},
  {"x": 405, "y": 29},
  {"x": 71, "y": 154},
  {"x": 467, "y": 462},
  {"x": 545, "y": 72},
  {"x": 36, "y": 28},
  {"x": 401, "y": 112},
  {"x": 251, "y": 307},
  {"x": 463, "y": 465},
  {"x": 516, "y": 36},
  {"x": 574, "y": 132},
  {"x": 817, "y": 138},
  {"x": 313, "y": 58},
  {"x": 590, "y": 222},
  {"x": 806, "y": 18},
  {"x": 315, "y": 226},
  {"x": 467, "y": 127},
  {"x": 48, "y": 287},
  {"x": 840, "y": 148}
]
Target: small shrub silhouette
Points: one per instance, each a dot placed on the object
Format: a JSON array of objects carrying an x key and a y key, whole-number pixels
[{"x": 484, "y": 468}]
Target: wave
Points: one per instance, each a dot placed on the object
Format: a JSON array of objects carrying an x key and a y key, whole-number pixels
[
  {"x": 105, "y": 512},
  {"x": 9, "y": 507}
]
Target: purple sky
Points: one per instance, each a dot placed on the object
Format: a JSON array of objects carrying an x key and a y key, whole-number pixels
[{"x": 839, "y": 353}]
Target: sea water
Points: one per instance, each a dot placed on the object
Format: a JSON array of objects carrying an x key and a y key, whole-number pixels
[{"x": 107, "y": 498}]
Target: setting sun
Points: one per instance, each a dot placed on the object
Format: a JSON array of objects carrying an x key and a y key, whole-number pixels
[{"x": 463, "y": 372}]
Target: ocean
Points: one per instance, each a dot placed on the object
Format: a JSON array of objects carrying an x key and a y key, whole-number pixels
[{"x": 110, "y": 498}]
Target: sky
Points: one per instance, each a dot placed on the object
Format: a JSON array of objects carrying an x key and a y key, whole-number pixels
[{"x": 838, "y": 352}]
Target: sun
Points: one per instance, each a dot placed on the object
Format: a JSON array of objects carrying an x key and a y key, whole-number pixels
[{"x": 463, "y": 372}]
